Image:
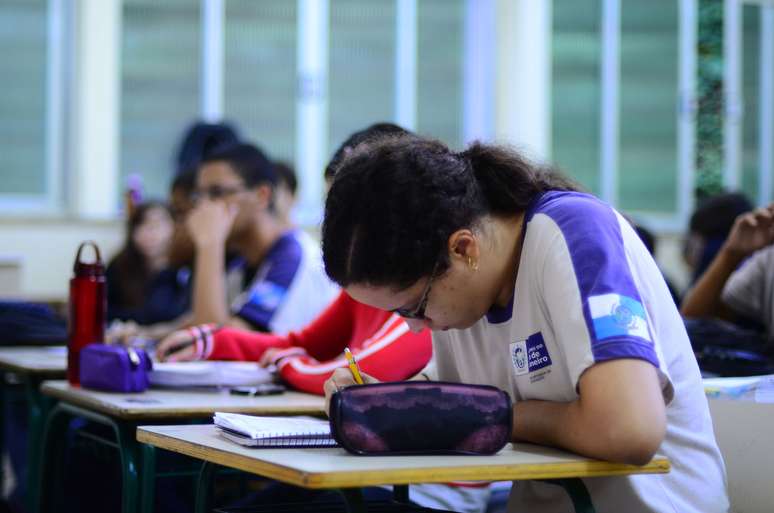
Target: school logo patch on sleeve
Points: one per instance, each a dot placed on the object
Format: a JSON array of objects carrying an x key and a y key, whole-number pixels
[
  {"x": 529, "y": 355},
  {"x": 614, "y": 315}
]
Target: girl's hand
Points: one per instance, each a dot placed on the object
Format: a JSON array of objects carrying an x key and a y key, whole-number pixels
[
  {"x": 177, "y": 347},
  {"x": 342, "y": 378}
]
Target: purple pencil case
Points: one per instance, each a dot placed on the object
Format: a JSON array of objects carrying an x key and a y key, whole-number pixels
[
  {"x": 416, "y": 417},
  {"x": 114, "y": 368}
]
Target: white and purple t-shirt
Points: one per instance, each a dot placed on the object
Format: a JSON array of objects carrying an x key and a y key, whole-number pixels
[
  {"x": 588, "y": 291},
  {"x": 290, "y": 288}
]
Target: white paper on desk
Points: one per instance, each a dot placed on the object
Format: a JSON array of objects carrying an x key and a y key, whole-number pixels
[
  {"x": 757, "y": 388},
  {"x": 765, "y": 391},
  {"x": 208, "y": 374}
]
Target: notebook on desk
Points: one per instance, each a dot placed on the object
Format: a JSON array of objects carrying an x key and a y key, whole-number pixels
[
  {"x": 274, "y": 432},
  {"x": 208, "y": 374}
]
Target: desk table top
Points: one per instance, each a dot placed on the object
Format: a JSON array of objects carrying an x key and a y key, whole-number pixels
[
  {"x": 335, "y": 468},
  {"x": 49, "y": 361},
  {"x": 182, "y": 403}
]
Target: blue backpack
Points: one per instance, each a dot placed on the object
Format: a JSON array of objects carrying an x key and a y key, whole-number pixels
[{"x": 23, "y": 323}]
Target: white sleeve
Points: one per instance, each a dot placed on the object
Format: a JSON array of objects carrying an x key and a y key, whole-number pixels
[{"x": 745, "y": 289}]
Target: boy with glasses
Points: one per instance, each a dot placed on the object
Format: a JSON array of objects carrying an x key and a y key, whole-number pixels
[{"x": 280, "y": 276}]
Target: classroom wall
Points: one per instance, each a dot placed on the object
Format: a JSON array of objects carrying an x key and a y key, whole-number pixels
[{"x": 37, "y": 256}]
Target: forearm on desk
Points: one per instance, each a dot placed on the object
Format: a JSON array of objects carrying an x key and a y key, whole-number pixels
[{"x": 567, "y": 426}]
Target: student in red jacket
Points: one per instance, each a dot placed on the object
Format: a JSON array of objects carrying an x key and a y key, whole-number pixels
[{"x": 381, "y": 341}]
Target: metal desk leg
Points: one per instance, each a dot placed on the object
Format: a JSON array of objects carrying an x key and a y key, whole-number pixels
[
  {"x": 3, "y": 385},
  {"x": 50, "y": 476},
  {"x": 353, "y": 497},
  {"x": 148, "y": 478},
  {"x": 400, "y": 493},
  {"x": 38, "y": 407},
  {"x": 581, "y": 500},
  {"x": 54, "y": 441},
  {"x": 204, "y": 488},
  {"x": 127, "y": 446}
]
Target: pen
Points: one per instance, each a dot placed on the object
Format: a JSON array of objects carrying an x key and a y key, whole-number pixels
[{"x": 353, "y": 368}]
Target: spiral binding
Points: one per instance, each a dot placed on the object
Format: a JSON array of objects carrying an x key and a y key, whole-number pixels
[{"x": 285, "y": 440}]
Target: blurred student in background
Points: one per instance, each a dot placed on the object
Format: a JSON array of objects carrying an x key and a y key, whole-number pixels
[
  {"x": 709, "y": 227},
  {"x": 198, "y": 141},
  {"x": 141, "y": 288},
  {"x": 739, "y": 282},
  {"x": 285, "y": 192},
  {"x": 305, "y": 358},
  {"x": 283, "y": 285}
]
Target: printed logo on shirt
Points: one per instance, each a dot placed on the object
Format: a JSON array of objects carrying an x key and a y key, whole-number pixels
[
  {"x": 529, "y": 355},
  {"x": 266, "y": 295},
  {"x": 614, "y": 315}
]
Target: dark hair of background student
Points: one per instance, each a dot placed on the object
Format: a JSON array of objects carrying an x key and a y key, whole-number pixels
[
  {"x": 287, "y": 176},
  {"x": 709, "y": 227},
  {"x": 133, "y": 274},
  {"x": 199, "y": 140},
  {"x": 371, "y": 133},
  {"x": 395, "y": 202},
  {"x": 248, "y": 161}
]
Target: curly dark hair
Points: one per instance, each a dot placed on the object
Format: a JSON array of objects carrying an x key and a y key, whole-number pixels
[
  {"x": 370, "y": 133},
  {"x": 394, "y": 204}
]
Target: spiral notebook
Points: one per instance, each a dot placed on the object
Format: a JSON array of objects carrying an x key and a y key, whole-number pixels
[{"x": 274, "y": 432}]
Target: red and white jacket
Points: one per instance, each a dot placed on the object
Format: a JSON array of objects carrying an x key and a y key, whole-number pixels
[{"x": 381, "y": 341}]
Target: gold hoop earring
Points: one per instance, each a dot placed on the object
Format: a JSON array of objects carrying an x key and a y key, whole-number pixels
[{"x": 473, "y": 265}]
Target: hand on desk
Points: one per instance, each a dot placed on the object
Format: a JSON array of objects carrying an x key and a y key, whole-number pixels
[
  {"x": 177, "y": 347},
  {"x": 342, "y": 378},
  {"x": 270, "y": 355},
  {"x": 122, "y": 332}
]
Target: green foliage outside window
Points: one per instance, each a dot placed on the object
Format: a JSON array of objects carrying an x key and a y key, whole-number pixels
[{"x": 709, "y": 120}]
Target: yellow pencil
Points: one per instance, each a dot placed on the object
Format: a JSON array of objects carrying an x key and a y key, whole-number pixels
[{"x": 353, "y": 368}]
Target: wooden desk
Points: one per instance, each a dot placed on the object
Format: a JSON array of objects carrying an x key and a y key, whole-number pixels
[
  {"x": 123, "y": 412},
  {"x": 182, "y": 403},
  {"x": 30, "y": 365},
  {"x": 335, "y": 468},
  {"x": 46, "y": 362}
]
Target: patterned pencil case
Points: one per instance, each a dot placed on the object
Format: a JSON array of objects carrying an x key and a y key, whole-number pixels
[
  {"x": 114, "y": 368},
  {"x": 416, "y": 417}
]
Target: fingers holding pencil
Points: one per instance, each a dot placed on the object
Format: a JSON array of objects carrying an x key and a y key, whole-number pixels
[
  {"x": 343, "y": 378},
  {"x": 353, "y": 367}
]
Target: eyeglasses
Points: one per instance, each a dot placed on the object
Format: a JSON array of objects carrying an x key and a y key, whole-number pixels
[
  {"x": 216, "y": 192},
  {"x": 419, "y": 311}
]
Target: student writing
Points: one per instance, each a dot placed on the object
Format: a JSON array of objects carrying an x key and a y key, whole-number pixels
[{"x": 542, "y": 291}]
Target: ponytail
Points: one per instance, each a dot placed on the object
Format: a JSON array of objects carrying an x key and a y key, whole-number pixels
[{"x": 507, "y": 180}]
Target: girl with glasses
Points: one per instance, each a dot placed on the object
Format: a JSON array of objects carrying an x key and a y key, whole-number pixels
[{"x": 541, "y": 290}]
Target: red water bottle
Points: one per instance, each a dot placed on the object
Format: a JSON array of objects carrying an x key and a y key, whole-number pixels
[{"x": 88, "y": 305}]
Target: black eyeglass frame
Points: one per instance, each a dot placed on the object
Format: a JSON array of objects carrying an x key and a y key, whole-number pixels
[
  {"x": 216, "y": 192},
  {"x": 418, "y": 313}
]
